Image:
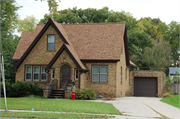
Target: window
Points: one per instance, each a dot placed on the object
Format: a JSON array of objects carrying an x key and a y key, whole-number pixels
[
  {"x": 36, "y": 73},
  {"x": 52, "y": 73},
  {"x": 100, "y": 73},
  {"x": 51, "y": 41},
  {"x": 43, "y": 73},
  {"x": 28, "y": 72},
  {"x": 121, "y": 75},
  {"x": 76, "y": 74}
]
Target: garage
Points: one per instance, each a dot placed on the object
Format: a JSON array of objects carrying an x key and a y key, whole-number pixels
[{"x": 145, "y": 86}]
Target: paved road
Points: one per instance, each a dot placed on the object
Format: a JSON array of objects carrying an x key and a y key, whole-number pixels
[{"x": 144, "y": 107}]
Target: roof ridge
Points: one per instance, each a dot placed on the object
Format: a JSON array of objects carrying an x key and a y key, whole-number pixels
[
  {"x": 95, "y": 23},
  {"x": 88, "y": 23}
]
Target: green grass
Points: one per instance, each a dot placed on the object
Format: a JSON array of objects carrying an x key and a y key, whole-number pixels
[
  {"x": 174, "y": 101},
  {"x": 27, "y": 103},
  {"x": 47, "y": 115}
]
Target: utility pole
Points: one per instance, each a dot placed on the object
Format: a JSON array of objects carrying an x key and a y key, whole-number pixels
[{"x": 3, "y": 78}]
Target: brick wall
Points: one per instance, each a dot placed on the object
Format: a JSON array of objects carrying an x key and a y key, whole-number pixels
[
  {"x": 83, "y": 80},
  {"x": 102, "y": 88},
  {"x": 124, "y": 86}
]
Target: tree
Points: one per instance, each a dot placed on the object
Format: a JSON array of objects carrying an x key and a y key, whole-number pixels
[
  {"x": 9, "y": 41},
  {"x": 53, "y": 6},
  {"x": 157, "y": 57},
  {"x": 123, "y": 16},
  {"x": 137, "y": 42},
  {"x": 172, "y": 36},
  {"x": 147, "y": 25},
  {"x": 67, "y": 16},
  {"x": 28, "y": 24}
]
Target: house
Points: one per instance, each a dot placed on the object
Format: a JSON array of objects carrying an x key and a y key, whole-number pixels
[{"x": 92, "y": 55}]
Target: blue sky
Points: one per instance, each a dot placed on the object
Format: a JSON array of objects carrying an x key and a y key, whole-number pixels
[{"x": 166, "y": 10}]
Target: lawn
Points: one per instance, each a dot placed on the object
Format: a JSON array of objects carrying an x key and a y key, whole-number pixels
[
  {"x": 46, "y": 115},
  {"x": 27, "y": 103},
  {"x": 174, "y": 101}
]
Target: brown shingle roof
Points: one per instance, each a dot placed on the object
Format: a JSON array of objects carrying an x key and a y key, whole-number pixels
[
  {"x": 98, "y": 41},
  {"x": 73, "y": 52},
  {"x": 25, "y": 41}
]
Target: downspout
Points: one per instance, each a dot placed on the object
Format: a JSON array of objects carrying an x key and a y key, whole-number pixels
[{"x": 80, "y": 79}]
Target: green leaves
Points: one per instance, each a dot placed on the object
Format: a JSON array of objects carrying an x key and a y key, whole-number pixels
[
  {"x": 158, "y": 56},
  {"x": 28, "y": 24}
]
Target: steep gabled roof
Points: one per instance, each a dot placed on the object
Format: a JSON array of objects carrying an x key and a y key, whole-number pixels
[
  {"x": 25, "y": 41},
  {"x": 59, "y": 29},
  {"x": 71, "y": 53},
  {"x": 96, "y": 42}
]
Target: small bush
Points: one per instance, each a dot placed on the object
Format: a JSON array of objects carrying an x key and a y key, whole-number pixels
[
  {"x": 78, "y": 93},
  {"x": 21, "y": 89},
  {"x": 85, "y": 94},
  {"x": 166, "y": 95}
]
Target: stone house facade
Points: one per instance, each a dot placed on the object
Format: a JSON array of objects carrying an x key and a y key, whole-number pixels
[{"x": 92, "y": 55}]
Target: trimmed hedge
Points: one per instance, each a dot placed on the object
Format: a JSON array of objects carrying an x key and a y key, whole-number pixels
[
  {"x": 21, "y": 89},
  {"x": 87, "y": 94}
]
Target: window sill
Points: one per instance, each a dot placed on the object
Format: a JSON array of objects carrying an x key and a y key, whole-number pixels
[
  {"x": 99, "y": 82},
  {"x": 50, "y": 51},
  {"x": 37, "y": 81}
]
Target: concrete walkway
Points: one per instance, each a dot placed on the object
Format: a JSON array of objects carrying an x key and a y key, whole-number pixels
[{"x": 145, "y": 107}]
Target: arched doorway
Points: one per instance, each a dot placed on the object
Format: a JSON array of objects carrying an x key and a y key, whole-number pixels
[{"x": 65, "y": 74}]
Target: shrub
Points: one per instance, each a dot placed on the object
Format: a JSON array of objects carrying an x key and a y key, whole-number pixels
[
  {"x": 85, "y": 94},
  {"x": 78, "y": 93},
  {"x": 166, "y": 95},
  {"x": 21, "y": 89}
]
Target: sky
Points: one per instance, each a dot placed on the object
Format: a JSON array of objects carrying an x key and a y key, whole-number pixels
[{"x": 166, "y": 10}]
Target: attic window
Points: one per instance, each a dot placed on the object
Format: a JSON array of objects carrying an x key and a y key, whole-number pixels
[{"x": 51, "y": 42}]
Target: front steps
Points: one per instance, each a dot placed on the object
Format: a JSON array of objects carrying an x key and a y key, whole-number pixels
[{"x": 56, "y": 94}]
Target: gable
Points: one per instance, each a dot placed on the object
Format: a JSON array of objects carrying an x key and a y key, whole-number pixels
[
  {"x": 58, "y": 29},
  {"x": 71, "y": 53}
]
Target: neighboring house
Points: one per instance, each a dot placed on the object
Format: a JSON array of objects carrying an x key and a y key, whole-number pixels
[
  {"x": 92, "y": 55},
  {"x": 174, "y": 74},
  {"x": 174, "y": 71}
]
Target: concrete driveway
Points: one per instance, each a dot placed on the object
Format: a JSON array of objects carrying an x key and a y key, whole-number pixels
[{"x": 145, "y": 107}]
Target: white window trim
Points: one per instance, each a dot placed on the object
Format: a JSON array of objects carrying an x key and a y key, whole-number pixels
[
  {"x": 36, "y": 73},
  {"x": 75, "y": 74},
  {"x": 26, "y": 72},
  {"x": 99, "y": 74},
  {"x": 52, "y": 73},
  {"x": 43, "y": 73}
]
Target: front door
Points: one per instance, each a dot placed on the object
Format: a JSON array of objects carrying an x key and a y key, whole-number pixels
[{"x": 65, "y": 74}]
